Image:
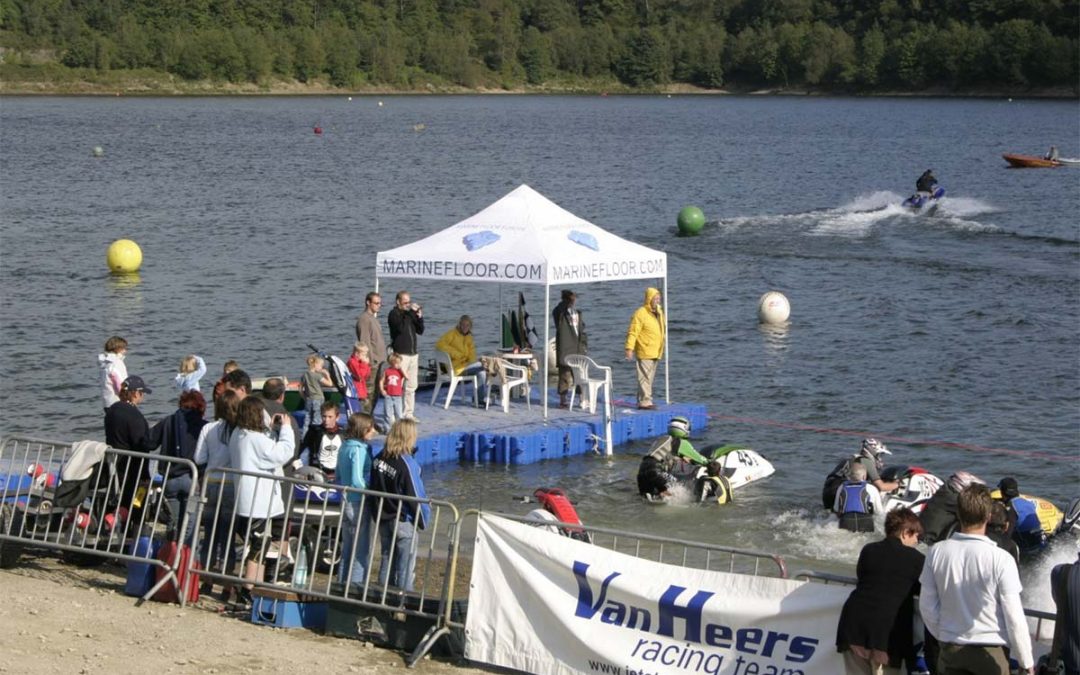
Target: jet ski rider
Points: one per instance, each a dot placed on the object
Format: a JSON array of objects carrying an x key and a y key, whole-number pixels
[
  {"x": 926, "y": 182},
  {"x": 655, "y": 474}
]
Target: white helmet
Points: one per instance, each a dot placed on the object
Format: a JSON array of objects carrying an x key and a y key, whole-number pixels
[{"x": 961, "y": 479}]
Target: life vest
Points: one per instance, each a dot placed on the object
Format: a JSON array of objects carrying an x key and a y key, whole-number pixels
[
  {"x": 717, "y": 487},
  {"x": 556, "y": 503},
  {"x": 854, "y": 498}
]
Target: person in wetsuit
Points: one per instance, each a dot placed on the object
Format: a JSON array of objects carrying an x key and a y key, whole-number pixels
[
  {"x": 655, "y": 477},
  {"x": 926, "y": 181}
]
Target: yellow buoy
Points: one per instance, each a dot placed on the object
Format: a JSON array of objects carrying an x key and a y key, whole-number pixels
[{"x": 124, "y": 256}]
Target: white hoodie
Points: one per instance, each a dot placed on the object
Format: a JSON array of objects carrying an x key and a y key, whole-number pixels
[{"x": 113, "y": 374}]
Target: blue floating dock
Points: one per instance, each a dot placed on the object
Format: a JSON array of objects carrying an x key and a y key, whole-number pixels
[{"x": 463, "y": 433}]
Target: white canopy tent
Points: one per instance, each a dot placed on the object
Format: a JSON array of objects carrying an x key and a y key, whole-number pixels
[{"x": 525, "y": 238}]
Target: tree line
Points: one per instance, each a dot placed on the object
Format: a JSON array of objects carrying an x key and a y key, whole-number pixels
[{"x": 838, "y": 45}]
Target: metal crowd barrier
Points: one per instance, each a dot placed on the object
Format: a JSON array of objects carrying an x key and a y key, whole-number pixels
[
  {"x": 1038, "y": 615},
  {"x": 102, "y": 515},
  {"x": 694, "y": 554},
  {"x": 293, "y": 535}
]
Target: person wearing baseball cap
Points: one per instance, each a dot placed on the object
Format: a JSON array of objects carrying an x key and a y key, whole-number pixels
[{"x": 127, "y": 429}]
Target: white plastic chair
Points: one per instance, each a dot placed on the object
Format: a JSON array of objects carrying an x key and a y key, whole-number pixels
[
  {"x": 592, "y": 377},
  {"x": 510, "y": 376},
  {"x": 444, "y": 371}
]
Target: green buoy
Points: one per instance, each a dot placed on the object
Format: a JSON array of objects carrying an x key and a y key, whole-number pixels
[{"x": 691, "y": 221}]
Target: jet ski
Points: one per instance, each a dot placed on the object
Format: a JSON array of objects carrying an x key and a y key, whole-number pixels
[
  {"x": 733, "y": 466},
  {"x": 1040, "y": 521},
  {"x": 925, "y": 202},
  {"x": 917, "y": 486},
  {"x": 558, "y": 514}
]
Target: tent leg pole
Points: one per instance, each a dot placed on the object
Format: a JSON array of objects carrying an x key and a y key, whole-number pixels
[
  {"x": 547, "y": 332},
  {"x": 667, "y": 380}
]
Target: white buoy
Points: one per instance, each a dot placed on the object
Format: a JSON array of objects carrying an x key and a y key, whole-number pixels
[
  {"x": 380, "y": 104},
  {"x": 350, "y": 99},
  {"x": 99, "y": 151},
  {"x": 773, "y": 308}
]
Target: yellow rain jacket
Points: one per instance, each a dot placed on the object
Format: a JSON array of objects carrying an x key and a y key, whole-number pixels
[
  {"x": 646, "y": 333},
  {"x": 460, "y": 347}
]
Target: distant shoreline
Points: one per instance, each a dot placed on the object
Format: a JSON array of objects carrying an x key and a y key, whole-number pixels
[{"x": 165, "y": 85}]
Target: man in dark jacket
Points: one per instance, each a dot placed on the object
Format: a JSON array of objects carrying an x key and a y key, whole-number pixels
[
  {"x": 939, "y": 517},
  {"x": 406, "y": 321},
  {"x": 127, "y": 429},
  {"x": 570, "y": 339},
  {"x": 1065, "y": 589}
]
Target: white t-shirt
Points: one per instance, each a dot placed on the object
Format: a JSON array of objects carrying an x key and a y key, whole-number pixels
[{"x": 971, "y": 595}]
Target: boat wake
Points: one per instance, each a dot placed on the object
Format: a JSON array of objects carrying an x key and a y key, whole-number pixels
[{"x": 859, "y": 217}]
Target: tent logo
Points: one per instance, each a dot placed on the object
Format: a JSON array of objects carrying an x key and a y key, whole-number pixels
[
  {"x": 583, "y": 238},
  {"x": 479, "y": 239}
]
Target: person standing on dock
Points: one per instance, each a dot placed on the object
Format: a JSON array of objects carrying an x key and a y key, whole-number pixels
[
  {"x": 570, "y": 339},
  {"x": 645, "y": 339},
  {"x": 369, "y": 333},
  {"x": 406, "y": 321}
]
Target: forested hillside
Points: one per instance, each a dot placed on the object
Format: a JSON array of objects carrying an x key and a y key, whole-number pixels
[{"x": 837, "y": 45}]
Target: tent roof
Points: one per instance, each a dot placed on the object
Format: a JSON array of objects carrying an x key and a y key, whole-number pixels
[{"x": 523, "y": 238}]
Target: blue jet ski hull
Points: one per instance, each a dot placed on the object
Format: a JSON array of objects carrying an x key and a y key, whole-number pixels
[{"x": 922, "y": 200}]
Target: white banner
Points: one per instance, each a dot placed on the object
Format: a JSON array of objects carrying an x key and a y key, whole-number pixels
[{"x": 543, "y": 603}]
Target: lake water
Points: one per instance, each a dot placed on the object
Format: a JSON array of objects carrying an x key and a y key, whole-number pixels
[{"x": 260, "y": 237}]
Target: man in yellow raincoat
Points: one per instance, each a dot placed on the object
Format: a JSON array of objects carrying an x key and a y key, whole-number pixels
[{"x": 645, "y": 340}]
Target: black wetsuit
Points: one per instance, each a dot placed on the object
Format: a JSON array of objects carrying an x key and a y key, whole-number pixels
[
  {"x": 926, "y": 182},
  {"x": 939, "y": 517}
]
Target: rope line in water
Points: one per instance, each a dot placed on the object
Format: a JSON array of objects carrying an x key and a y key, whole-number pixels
[{"x": 893, "y": 439}]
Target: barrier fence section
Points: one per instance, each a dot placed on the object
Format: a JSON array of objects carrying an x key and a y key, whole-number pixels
[
  {"x": 370, "y": 549},
  {"x": 1038, "y": 615},
  {"x": 668, "y": 550},
  {"x": 89, "y": 502}
]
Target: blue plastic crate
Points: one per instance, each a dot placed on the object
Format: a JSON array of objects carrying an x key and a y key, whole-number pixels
[
  {"x": 486, "y": 447},
  {"x": 577, "y": 439},
  {"x": 281, "y": 609}
]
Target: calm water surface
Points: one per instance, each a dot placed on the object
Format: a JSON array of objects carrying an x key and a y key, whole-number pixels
[{"x": 260, "y": 236}]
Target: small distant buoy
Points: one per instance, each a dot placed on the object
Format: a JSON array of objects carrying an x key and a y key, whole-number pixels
[
  {"x": 350, "y": 98},
  {"x": 419, "y": 127},
  {"x": 318, "y": 130},
  {"x": 1010, "y": 100},
  {"x": 691, "y": 220},
  {"x": 99, "y": 151},
  {"x": 669, "y": 95},
  {"x": 380, "y": 104},
  {"x": 773, "y": 308},
  {"x": 124, "y": 256}
]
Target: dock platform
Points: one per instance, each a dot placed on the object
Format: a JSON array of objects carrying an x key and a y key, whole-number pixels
[{"x": 463, "y": 433}]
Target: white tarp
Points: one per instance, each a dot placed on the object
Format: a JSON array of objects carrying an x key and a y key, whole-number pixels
[
  {"x": 524, "y": 238},
  {"x": 542, "y": 603}
]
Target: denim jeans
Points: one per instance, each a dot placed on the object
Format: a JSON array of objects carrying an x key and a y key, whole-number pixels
[
  {"x": 393, "y": 410},
  {"x": 398, "y": 554},
  {"x": 176, "y": 498},
  {"x": 354, "y": 518},
  {"x": 312, "y": 413},
  {"x": 477, "y": 369}
]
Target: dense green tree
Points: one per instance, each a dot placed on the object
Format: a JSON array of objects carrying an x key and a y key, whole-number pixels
[
  {"x": 647, "y": 60},
  {"x": 869, "y": 44},
  {"x": 536, "y": 55},
  {"x": 871, "y": 54},
  {"x": 309, "y": 57}
]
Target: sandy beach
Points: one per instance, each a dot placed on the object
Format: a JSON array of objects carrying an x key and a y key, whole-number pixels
[{"x": 64, "y": 619}]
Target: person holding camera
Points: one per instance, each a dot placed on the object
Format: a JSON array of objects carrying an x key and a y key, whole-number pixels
[
  {"x": 258, "y": 446},
  {"x": 406, "y": 321}
]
